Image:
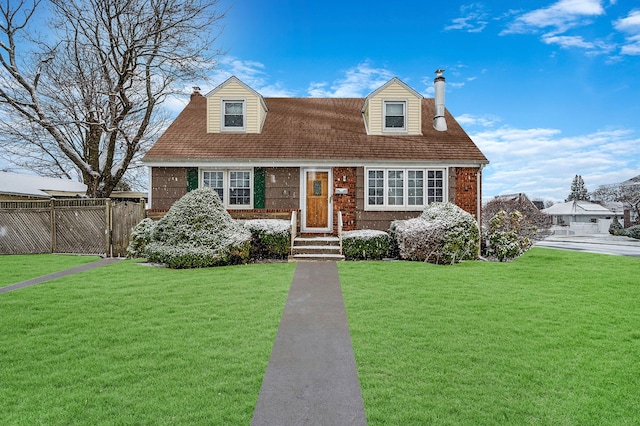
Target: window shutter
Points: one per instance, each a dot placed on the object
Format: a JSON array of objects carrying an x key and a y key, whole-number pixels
[
  {"x": 192, "y": 178},
  {"x": 259, "y": 174}
]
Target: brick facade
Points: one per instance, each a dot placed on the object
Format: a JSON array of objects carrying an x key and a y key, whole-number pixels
[
  {"x": 344, "y": 177},
  {"x": 466, "y": 187}
]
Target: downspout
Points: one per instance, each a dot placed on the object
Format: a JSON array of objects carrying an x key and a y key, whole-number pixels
[
  {"x": 149, "y": 202},
  {"x": 479, "y": 201}
]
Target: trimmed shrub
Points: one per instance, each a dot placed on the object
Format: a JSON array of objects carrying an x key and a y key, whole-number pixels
[
  {"x": 633, "y": 232},
  {"x": 505, "y": 237},
  {"x": 140, "y": 237},
  {"x": 198, "y": 232},
  {"x": 365, "y": 244},
  {"x": 443, "y": 234},
  {"x": 270, "y": 238},
  {"x": 616, "y": 227}
]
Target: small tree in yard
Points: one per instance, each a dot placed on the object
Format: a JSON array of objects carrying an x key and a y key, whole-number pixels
[
  {"x": 504, "y": 236},
  {"x": 534, "y": 225},
  {"x": 198, "y": 232}
]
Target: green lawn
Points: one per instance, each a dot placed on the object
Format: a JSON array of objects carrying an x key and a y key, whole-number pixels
[
  {"x": 17, "y": 268},
  {"x": 130, "y": 344},
  {"x": 552, "y": 338}
]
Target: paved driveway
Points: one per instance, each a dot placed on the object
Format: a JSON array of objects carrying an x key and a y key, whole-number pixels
[{"x": 597, "y": 243}]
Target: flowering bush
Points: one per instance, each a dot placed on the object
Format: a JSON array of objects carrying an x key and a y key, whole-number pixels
[
  {"x": 270, "y": 238},
  {"x": 140, "y": 237},
  {"x": 443, "y": 234},
  {"x": 365, "y": 244},
  {"x": 504, "y": 236},
  {"x": 198, "y": 232}
]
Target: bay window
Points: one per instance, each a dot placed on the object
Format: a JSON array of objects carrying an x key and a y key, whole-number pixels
[{"x": 403, "y": 189}]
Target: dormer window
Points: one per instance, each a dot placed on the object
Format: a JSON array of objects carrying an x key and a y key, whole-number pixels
[
  {"x": 395, "y": 116},
  {"x": 233, "y": 115}
]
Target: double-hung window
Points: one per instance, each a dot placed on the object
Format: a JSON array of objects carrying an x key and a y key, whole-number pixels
[
  {"x": 233, "y": 115},
  {"x": 234, "y": 187},
  {"x": 239, "y": 188},
  {"x": 404, "y": 189},
  {"x": 395, "y": 116},
  {"x": 214, "y": 180}
]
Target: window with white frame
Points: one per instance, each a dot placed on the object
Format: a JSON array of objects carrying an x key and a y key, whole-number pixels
[
  {"x": 233, "y": 186},
  {"x": 233, "y": 115},
  {"x": 214, "y": 180},
  {"x": 239, "y": 188},
  {"x": 435, "y": 186},
  {"x": 411, "y": 189},
  {"x": 395, "y": 116}
]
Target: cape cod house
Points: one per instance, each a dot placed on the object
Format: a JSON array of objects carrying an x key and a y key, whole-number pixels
[{"x": 375, "y": 159}]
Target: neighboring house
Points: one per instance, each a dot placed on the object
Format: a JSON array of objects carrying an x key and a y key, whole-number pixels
[
  {"x": 375, "y": 159},
  {"x": 581, "y": 217},
  {"x": 631, "y": 206},
  {"x": 14, "y": 186},
  {"x": 520, "y": 197}
]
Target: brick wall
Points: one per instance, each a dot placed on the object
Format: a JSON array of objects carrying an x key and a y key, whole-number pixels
[
  {"x": 466, "y": 189},
  {"x": 344, "y": 177}
]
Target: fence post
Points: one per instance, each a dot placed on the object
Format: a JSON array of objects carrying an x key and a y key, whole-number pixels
[
  {"x": 108, "y": 227},
  {"x": 52, "y": 222}
]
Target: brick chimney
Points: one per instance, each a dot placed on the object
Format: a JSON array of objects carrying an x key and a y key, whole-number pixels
[
  {"x": 439, "y": 123},
  {"x": 196, "y": 92}
]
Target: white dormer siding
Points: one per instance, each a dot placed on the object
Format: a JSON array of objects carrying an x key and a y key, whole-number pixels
[
  {"x": 233, "y": 93},
  {"x": 392, "y": 97}
]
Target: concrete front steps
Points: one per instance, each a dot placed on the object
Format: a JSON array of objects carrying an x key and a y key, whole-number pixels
[{"x": 316, "y": 249}]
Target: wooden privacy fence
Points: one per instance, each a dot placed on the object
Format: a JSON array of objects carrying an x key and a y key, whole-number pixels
[{"x": 81, "y": 226}]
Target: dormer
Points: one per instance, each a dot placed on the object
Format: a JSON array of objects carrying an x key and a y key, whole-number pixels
[
  {"x": 234, "y": 107},
  {"x": 394, "y": 108}
]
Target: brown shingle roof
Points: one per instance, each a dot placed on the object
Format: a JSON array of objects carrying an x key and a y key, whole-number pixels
[{"x": 311, "y": 129}]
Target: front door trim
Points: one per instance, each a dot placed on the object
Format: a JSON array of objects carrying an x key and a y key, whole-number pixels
[{"x": 303, "y": 200}]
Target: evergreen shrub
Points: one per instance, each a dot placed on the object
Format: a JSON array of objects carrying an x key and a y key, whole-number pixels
[
  {"x": 442, "y": 234},
  {"x": 198, "y": 232},
  {"x": 140, "y": 237},
  {"x": 633, "y": 232},
  {"x": 270, "y": 238},
  {"x": 365, "y": 244},
  {"x": 616, "y": 227}
]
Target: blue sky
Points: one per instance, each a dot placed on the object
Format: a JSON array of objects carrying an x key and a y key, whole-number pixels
[{"x": 547, "y": 89}]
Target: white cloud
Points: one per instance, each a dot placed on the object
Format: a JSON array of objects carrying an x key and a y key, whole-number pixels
[
  {"x": 560, "y": 16},
  {"x": 359, "y": 81},
  {"x": 541, "y": 162},
  {"x": 475, "y": 120},
  {"x": 474, "y": 19},
  {"x": 567, "y": 42},
  {"x": 631, "y": 26}
]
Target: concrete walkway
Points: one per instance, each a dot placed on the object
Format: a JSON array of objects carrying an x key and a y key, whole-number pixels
[
  {"x": 60, "y": 274},
  {"x": 311, "y": 378}
]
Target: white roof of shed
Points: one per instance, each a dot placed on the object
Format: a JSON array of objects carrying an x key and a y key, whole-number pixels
[
  {"x": 37, "y": 186},
  {"x": 578, "y": 208}
]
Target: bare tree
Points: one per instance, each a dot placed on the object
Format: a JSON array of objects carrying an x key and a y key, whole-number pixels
[
  {"x": 627, "y": 192},
  {"x": 81, "y": 100}
]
